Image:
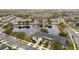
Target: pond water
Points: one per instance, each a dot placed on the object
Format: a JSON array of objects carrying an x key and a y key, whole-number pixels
[
  {"x": 34, "y": 28},
  {"x": 54, "y": 30}
]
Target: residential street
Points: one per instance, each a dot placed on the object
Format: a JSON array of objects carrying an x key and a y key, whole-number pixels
[
  {"x": 73, "y": 33},
  {"x": 16, "y": 42}
]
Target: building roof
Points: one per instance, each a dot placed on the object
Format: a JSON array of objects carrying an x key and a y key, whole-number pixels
[{"x": 42, "y": 34}]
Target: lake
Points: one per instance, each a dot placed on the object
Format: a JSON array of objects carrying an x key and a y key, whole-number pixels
[{"x": 34, "y": 28}]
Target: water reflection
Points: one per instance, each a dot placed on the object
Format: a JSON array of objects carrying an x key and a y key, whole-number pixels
[{"x": 53, "y": 29}]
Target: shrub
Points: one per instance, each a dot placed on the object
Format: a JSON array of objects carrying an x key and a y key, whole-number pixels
[
  {"x": 44, "y": 30},
  {"x": 56, "y": 45},
  {"x": 63, "y": 34}
]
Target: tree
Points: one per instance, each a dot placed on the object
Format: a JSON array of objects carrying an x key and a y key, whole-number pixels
[
  {"x": 8, "y": 28},
  {"x": 9, "y": 25},
  {"x": 64, "y": 34},
  {"x": 8, "y": 31},
  {"x": 62, "y": 26},
  {"x": 44, "y": 30},
  {"x": 56, "y": 45}
]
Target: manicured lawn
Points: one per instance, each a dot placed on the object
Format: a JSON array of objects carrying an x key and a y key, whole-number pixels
[
  {"x": 20, "y": 35},
  {"x": 56, "y": 45}
]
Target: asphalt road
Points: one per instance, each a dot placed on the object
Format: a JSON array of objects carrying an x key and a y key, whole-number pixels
[
  {"x": 73, "y": 33},
  {"x": 76, "y": 37},
  {"x": 16, "y": 42}
]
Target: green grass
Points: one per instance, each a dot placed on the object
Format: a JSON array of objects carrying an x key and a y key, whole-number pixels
[
  {"x": 56, "y": 44},
  {"x": 46, "y": 45},
  {"x": 8, "y": 28},
  {"x": 21, "y": 35},
  {"x": 0, "y": 42},
  {"x": 44, "y": 30},
  {"x": 63, "y": 34},
  {"x": 9, "y": 25},
  {"x": 71, "y": 47}
]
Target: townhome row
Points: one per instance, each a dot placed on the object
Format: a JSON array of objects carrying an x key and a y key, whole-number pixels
[{"x": 37, "y": 20}]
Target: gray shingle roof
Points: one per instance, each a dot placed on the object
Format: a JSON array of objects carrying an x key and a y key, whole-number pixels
[{"x": 41, "y": 34}]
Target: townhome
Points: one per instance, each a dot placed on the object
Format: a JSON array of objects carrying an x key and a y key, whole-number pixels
[
  {"x": 39, "y": 20},
  {"x": 21, "y": 20}
]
